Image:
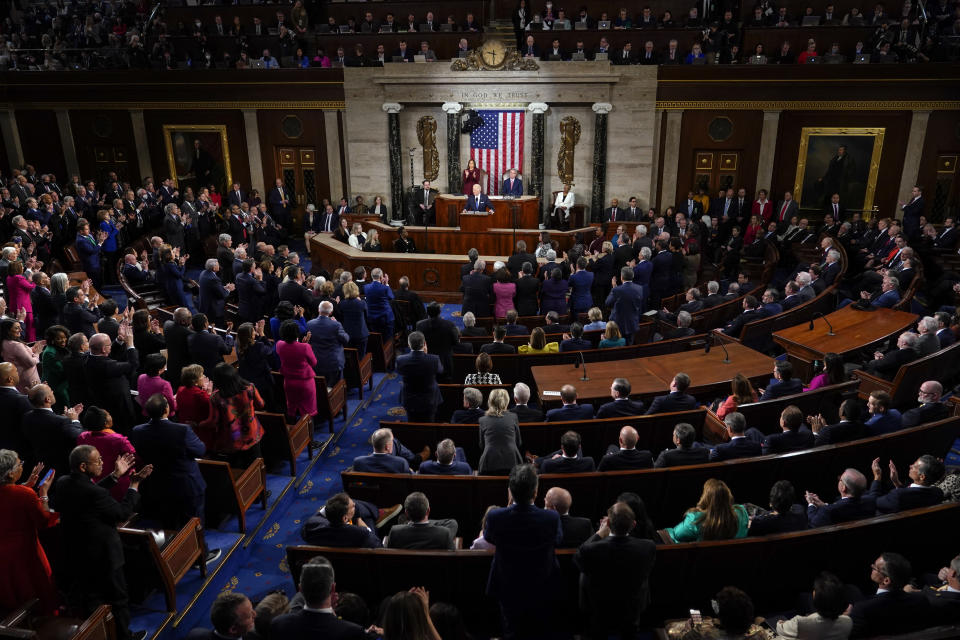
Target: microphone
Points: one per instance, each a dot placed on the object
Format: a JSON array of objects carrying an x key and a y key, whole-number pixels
[
  {"x": 726, "y": 354},
  {"x": 820, "y": 315},
  {"x": 576, "y": 365}
]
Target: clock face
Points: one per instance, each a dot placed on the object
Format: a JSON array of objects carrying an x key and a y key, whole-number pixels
[{"x": 493, "y": 53}]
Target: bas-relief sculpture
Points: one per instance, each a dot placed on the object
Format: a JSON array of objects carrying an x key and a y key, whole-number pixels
[
  {"x": 427, "y": 136},
  {"x": 569, "y": 137}
]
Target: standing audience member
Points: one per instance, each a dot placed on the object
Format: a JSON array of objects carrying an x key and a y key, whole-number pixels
[
  {"x": 16, "y": 352},
  {"x": 236, "y": 430},
  {"x": 296, "y": 365},
  {"x": 111, "y": 445}
]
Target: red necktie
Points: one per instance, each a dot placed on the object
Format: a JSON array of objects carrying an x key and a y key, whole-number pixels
[
  {"x": 783, "y": 212},
  {"x": 613, "y": 215}
]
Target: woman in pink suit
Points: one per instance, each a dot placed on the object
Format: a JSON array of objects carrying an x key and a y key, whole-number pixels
[
  {"x": 504, "y": 290},
  {"x": 18, "y": 290},
  {"x": 296, "y": 364},
  {"x": 16, "y": 352},
  {"x": 111, "y": 445}
]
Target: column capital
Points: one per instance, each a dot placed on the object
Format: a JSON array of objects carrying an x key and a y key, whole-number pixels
[
  {"x": 538, "y": 107},
  {"x": 392, "y": 107},
  {"x": 449, "y": 108},
  {"x": 602, "y": 108},
  {"x": 771, "y": 113}
]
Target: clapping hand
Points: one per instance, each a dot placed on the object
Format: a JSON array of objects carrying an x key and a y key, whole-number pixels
[
  {"x": 123, "y": 464},
  {"x": 138, "y": 476},
  {"x": 306, "y": 337},
  {"x": 894, "y": 475},
  {"x": 34, "y": 475}
]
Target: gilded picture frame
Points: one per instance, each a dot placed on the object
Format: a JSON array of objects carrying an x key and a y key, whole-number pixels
[
  {"x": 822, "y": 170},
  {"x": 213, "y": 164}
]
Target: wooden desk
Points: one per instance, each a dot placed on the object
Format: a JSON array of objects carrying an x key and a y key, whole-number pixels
[
  {"x": 449, "y": 207},
  {"x": 854, "y": 330},
  {"x": 652, "y": 376}
]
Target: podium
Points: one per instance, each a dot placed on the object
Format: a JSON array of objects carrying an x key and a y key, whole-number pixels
[{"x": 450, "y": 213}]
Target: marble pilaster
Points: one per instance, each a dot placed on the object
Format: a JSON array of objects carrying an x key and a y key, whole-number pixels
[
  {"x": 671, "y": 158},
  {"x": 251, "y": 129},
  {"x": 599, "y": 158},
  {"x": 768, "y": 150},
  {"x": 392, "y": 110},
  {"x": 11, "y": 137},
  {"x": 537, "y": 109},
  {"x": 913, "y": 154},
  {"x": 453, "y": 109},
  {"x": 142, "y": 145}
]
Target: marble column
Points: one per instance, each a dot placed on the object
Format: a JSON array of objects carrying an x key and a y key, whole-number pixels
[
  {"x": 453, "y": 109},
  {"x": 66, "y": 141},
  {"x": 671, "y": 158},
  {"x": 392, "y": 110},
  {"x": 143, "y": 147},
  {"x": 251, "y": 129},
  {"x": 11, "y": 138},
  {"x": 913, "y": 155},
  {"x": 768, "y": 151},
  {"x": 655, "y": 161},
  {"x": 537, "y": 109},
  {"x": 335, "y": 172},
  {"x": 599, "y": 159}
]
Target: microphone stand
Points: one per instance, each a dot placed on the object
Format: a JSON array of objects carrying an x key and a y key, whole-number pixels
[
  {"x": 584, "y": 377},
  {"x": 820, "y": 315},
  {"x": 726, "y": 354}
]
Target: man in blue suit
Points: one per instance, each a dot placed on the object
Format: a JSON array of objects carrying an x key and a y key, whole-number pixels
[
  {"x": 175, "y": 492},
  {"x": 279, "y": 201},
  {"x": 512, "y": 186},
  {"x": 570, "y": 409},
  {"x": 740, "y": 446},
  {"x": 382, "y": 459},
  {"x": 250, "y": 291},
  {"x": 526, "y": 538},
  {"x": 627, "y": 303},
  {"x": 677, "y": 400},
  {"x": 379, "y": 312},
  {"x": 924, "y": 473},
  {"x": 478, "y": 201},
  {"x": 794, "y": 436},
  {"x": 213, "y": 293},
  {"x": 944, "y": 333},
  {"x": 419, "y": 370},
  {"x": 447, "y": 463},
  {"x": 783, "y": 382},
  {"x": 88, "y": 247},
  {"x": 328, "y": 339},
  {"x": 883, "y": 418},
  {"x": 852, "y": 504}
]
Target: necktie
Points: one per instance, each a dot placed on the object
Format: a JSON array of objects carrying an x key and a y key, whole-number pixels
[
  {"x": 783, "y": 212},
  {"x": 835, "y": 213},
  {"x": 613, "y": 215}
]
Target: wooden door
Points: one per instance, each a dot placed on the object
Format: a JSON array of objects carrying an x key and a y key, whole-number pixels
[
  {"x": 715, "y": 170},
  {"x": 298, "y": 168}
]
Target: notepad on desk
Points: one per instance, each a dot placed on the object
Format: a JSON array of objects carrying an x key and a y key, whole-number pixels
[{"x": 551, "y": 393}]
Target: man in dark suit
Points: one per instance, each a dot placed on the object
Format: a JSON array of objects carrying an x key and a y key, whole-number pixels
[
  {"x": 422, "y": 533},
  {"x": 614, "y": 598},
  {"x": 614, "y": 213},
  {"x": 912, "y": 211},
  {"x": 176, "y": 492},
  {"x": 498, "y": 346},
  {"x": 853, "y": 503},
  {"x": 89, "y": 517},
  {"x": 575, "y": 530},
  {"x": 232, "y": 615},
  {"x": 528, "y": 290},
  {"x": 316, "y": 619},
  {"x": 478, "y": 201},
  {"x": 684, "y": 436},
  {"x": 783, "y": 383},
  {"x": 446, "y": 463},
  {"x": 207, "y": 348},
  {"x": 382, "y": 460},
  {"x": 441, "y": 335},
  {"x": 78, "y": 315},
  {"x": 236, "y": 196},
  {"x": 739, "y": 445},
  {"x": 575, "y": 341},
  {"x": 51, "y": 437},
  {"x": 751, "y": 311},
  {"x": 328, "y": 339},
  {"x": 835, "y": 209},
  {"x": 477, "y": 290},
  {"x": 947, "y": 238},
  {"x": 176, "y": 333},
  {"x": 471, "y": 411},
  {"x": 621, "y": 405},
  {"x": 521, "y": 398},
  {"x": 890, "y": 610},
  {"x": 886, "y": 365},
  {"x": 569, "y": 459},
  {"x": 342, "y": 523},
  {"x": 512, "y": 186},
  {"x": 626, "y": 301},
  {"x": 944, "y": 334},
  {"x": 45, "y": 311},
  {"x": 677, "y": 399},
  {"x": 525, "y": 538},
  {"x": 173, "y": 226},
  {"x": 515, "y": 262},
  {"x": 849, "y": 428},
  {"x": 625, "y": 455},
  {"x": 931, "y": 408},
  {"x": 570, "y": 409},
  {"x": 250, "y": 291},
  {"x": 213, "y": 293},
  {"x": 419, "y": 370},
  {"x": 13, "y": 407},
  {"x": 279, "y": 202},
  {"x": 113, "y": 373},
  {"x": 794, "y": 435},
  {"x": 924, "y": 473}
]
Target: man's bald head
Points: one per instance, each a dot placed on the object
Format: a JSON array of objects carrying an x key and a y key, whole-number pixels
[
  {"x": 182, "y": 316},
  {"x": 99, "y": 344},
  {"x": 558, "y": 499},
  {"x": 852, "y": 483},
  {"x": 628, "y": 437},
  {"x": 8, "y": 375}
]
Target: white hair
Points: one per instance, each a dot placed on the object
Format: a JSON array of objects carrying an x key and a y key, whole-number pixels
[
  {"x": 713, "y": 286},
  {"x": 210, "y": 264},
  {"x": 645, "y": 253},
  {"x": 521, "y": 393},
  {"x": 641, "y": 230},
  {"x": 803, "y": 279}
]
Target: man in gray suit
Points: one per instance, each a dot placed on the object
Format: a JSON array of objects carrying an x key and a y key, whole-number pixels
[{"x": 421, "y": 532}]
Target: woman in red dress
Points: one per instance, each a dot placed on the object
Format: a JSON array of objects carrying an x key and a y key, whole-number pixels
[
  {"x": 26, "y": 573},
  {"x": 753, "y": 229},
  {"x": 297, "y": 361},
  {"x": 471, "y": 176},
  {"x": 233, "y": 419},
  {"x": 193, "y": 402}
]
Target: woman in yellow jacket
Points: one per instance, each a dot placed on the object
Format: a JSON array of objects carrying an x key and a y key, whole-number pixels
[{"x": 539, "y": 344}]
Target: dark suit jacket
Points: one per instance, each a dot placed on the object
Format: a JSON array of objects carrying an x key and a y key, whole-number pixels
[
  {"x": 173, "y": 231},
  {"x": 627, "y": 303},
  {"x": 317, "y": 530},
  {"x": 480, "y": 203},
  {"x": 477, "y": 289},
  {"x": 887, "y": 366},
  {"x": 328, "y": 338},
  {"x": 307, "y": 625},
  {"x": 380, "y": 463},
  {"x": 736, "y": 448},
  {"x": 584, "y": 464},
  {"x": 250, "y": 292},
  {"x": 575, "y": 344},
  {"x": 498, "y": 347},
  {"x": 207, "y": 349},
  {"x": 576, "y": 531},
  {"x": 736, "y": 326},
  {"x": 45, "y": 311},
  {"x": 441, "y": 335},
  {"x": 570, "y": 412},
  {"x": 613, "y": 595},
  {"x": 13, "y": 407},
  {"x": 626, "y": 459},
  {"x": 433, "y": 468},
  {"x": 525, "y": 537},
  {"x": 172, "y": 448},
  {"x": 79, "y": 319},
  {"x": 517, "y": 187},
  {"x": 787, "y": 441},
  {"x": 927, "y": 412},
  {"x": 781, "y": 388},
  {"x": 526, "y": 413},
  {"x": 419, "y": 372},
  {"x": 843, "y": 510},
  {"x": 903, "y": 498},
  {"x": 420, "y": 535},
  {"x": 844, "y": 431},
  {"x": 213, "y": 296},
  {"x": 674, "y": 401},
  {"x": 890, "y": 613},
  {"x": 178, "y": 352},
  {"x": 51, "y": 438},
  {"x": 466, "y": 416},
  {"x": 624, "y": 407},
  {"x": 515, "y": 263},
  {"x": 499, "y": 442},
  {"x": 528, "y": 290},
  {"x": 112, "y": 388},
  {"x": 680, "y": 457}
]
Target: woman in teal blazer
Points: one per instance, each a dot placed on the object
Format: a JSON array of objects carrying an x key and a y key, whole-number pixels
[{"x": 714, "y": 518}]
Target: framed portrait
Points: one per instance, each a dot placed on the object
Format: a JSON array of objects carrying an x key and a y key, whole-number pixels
[
  {"x": 842, "y": 160},
  {"x": 198, "y": 155}
]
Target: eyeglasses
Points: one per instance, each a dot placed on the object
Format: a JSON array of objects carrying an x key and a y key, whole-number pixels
[{"x": 881, "y": 570}]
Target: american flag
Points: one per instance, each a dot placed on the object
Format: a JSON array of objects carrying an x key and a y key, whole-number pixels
[{"x": 497, "y": 146}]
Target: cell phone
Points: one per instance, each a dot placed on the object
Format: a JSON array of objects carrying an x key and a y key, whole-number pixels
[
  {"x": 695, "y": 616},
  {"x": 46, "y": 477}
]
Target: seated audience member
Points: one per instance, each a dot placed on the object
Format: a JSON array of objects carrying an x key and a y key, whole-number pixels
[
  {"x": 783, "y": 382},
  {"x": 853, "y": 503},
  {"x": 886, "y": 365},
  {"x": 471, "y": 412},
  {"x": 421, "y": 532},
  {"x": 849, "y": 428},
  {"x": 538, "y": 343},
  {"x": 470, "y": 327},
  {"x": 931, "y": 408},
  {"x": 595, "y": 316},
  {"x": 447, "y": 463},
  {"x": 480, "y": 542},
  {"x": 575, "y": 341},
  {"x": 483, "y": 374},
  {"x": 715, "y": 517},
  {"x": 626, "y": 455},
  {"x": 611, "y": 337},
  {"x": 316, "y": 619},
  {"x": 925, "y": 472},
  {"x": 621, "y": 405},
  {"x": 575, "y": 530},
  {"x": 828, "y": 619},
  {"x": 499, "y": 437},
  {"x": 688, "y": 451},
  {"x": 785, "y": 515},
  {"x": 741, "y": 392},
  {"x": 570, "y": 409},
  {"x": 521, "y": 398},
  {"x": 552, "y": 326},
  {"x": 944, "y": 598},
  {"x": 883, "y": 419},
  {"x": 498, "y": 345},
  {"x": 677, "y": 399},
  {"x": 739, "y": 445},
  {"x": 833, "y": 373},
  {"x": 891, "y": 610},
  {"x": 794, "y": 435},
  {"x": 569, "y": 459},
  {"x": 511, "y": 326},
  {"x": 614, "y": 598},
  {"x": 232, "y": 616},
  {"x": 382, "y": 460},
  {"x": 343, "y": 523}
]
